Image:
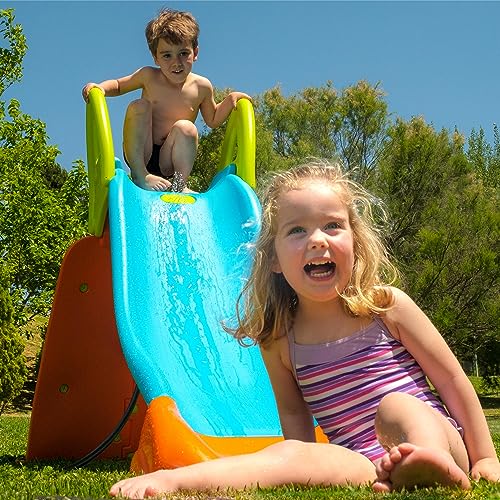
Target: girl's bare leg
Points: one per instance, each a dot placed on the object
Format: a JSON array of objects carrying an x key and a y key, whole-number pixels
[
  {"x": 138, "y": 145},
  {"x": 178, "y": 153},
  {"x": 425, "y": 449},
  {"x": 286, "y": 462}
]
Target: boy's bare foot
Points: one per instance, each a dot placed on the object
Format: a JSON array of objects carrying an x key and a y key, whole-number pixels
[
  {"x": 146, "y": 486},
  {"x": 153, "y": 183},
  {"x": 408, "y": 466}
]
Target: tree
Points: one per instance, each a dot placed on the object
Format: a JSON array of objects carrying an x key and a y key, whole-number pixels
[
  {"x": 361, "y": 125},
  {"x": 37, "y": 220},
  {"x": 442, "y": 201},
  {"x": 485, "y": 158},
  {"x": 42, "y": 207},
  {"x": 301, "y": 124},
  {"x": 444, "y": 232},
  {"x": 485, "y": 162},
  {"x": 11, "y": 58},
  {"x": 12, "y": 363},
  {"x": 416, "y": 167},
  {"x": 321, "y": 122},
  {"x": 209, "y": 150}
]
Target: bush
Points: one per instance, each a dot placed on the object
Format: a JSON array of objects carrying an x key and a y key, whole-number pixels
[{"x": 12, "y": 362}]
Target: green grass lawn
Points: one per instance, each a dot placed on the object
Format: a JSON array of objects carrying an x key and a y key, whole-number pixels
[{"x": 57, "y": 480}]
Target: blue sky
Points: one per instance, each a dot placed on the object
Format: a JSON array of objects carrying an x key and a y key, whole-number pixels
[{"x": 435, "y": 59}]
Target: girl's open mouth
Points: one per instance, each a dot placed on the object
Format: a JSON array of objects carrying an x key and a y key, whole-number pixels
[{"x": 320, "y": 270}]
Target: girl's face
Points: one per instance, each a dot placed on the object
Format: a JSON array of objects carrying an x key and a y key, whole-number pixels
[{"x": 314, "y": 241}]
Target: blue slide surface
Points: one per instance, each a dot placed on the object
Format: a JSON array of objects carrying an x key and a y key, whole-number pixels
[{"x": 178, "y": 264}]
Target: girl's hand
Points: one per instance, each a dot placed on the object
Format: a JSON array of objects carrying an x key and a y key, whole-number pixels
[{"x": 486, "y": 468}]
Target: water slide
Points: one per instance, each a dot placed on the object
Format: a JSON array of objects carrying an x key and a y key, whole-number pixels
[{"x": 143, "y": 301}]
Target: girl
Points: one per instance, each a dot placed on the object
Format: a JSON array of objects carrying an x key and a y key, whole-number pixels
[{"x": 344, "y": 347}]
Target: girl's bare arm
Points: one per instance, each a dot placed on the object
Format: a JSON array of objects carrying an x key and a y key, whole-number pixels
[
  {"x": 417, "y": 333},
  {"x": 295, "y": 417}
]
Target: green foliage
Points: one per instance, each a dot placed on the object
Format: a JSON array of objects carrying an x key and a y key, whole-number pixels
[
  {"x": 316, "y": 122},
  {"x": 485, "y": 158},
  {"x": 416, "y": 166},
  {"x": 43, "y": 208},
  {"x": 361, "y": 128},
  {"x": 39, "y": 216},
  {"x": 209, "y": 150},
  {"x": 300, "y": 124},
  {"x": 324, "y": 123},
  {"x": 11, "y": 57},
  {"x": 442, "y": 201},
  {"x": 444, "y": 232},
  {"x": 12, "y": 362}
]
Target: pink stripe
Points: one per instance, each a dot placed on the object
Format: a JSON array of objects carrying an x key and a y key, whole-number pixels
[
  {"x": 349, "y": 363},
  {"x": 359, "y": 393}
]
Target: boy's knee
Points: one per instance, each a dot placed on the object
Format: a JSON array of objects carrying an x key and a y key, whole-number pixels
[
  {"x": 139, "y": 107},
  {"x": 186, "y": 128}
]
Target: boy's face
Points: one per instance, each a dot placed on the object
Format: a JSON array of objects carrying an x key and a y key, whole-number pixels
[{"x": 175, "y": 61}]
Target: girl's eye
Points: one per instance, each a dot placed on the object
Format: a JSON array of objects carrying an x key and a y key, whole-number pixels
[
  {"x": 296, "y": 230},
  {"x": 332, "y": 225}
]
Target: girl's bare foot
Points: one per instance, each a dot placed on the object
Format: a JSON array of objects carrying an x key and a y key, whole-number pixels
[{"x": 408, "y": 466}]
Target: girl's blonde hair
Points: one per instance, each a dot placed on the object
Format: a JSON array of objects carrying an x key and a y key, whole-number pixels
[{"x": 266, "y": 306}]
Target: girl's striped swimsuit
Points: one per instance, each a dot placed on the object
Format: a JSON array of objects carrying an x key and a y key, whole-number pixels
[{"x": 343, "y": 382}]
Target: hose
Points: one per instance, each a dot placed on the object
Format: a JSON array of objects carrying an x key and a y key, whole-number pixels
[{"x": 111, "y": 437}]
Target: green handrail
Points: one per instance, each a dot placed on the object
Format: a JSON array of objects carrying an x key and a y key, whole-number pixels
[
  {"x": 239, "y": 142},
  {"x": 238, "y": 148},
  {"x": 100, "y": 159}
]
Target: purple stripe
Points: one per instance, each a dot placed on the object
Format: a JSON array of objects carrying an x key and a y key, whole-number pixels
[
  {"x": 348, "y": 390},
  {"x": 360, "y": 404},
  {"x": 353, "y": 392}
]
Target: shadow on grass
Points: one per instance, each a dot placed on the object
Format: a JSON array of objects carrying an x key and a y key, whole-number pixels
[
  {"x": 490, "y": 402},
  {"x": 19, "y": 461},
  {"x": 23, "y": 402}
]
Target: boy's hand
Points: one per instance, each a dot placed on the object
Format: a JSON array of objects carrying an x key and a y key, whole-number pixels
[
  {"x": 236, "y": 96},
  {"x": 86, "y": 90}
]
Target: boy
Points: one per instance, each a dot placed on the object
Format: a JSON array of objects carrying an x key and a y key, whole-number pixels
[{"x": 160, "y": 138}]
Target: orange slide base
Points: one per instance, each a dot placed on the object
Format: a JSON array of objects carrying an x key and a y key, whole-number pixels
[
  {"x": 84, "y": 384},
  {"x": 168, "y": 442}
]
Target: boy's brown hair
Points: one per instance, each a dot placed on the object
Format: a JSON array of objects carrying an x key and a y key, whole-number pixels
[{"x": 173, "y": 26}]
